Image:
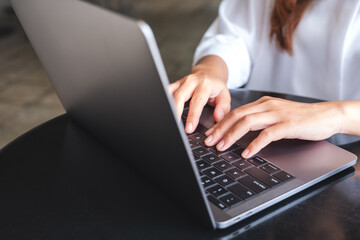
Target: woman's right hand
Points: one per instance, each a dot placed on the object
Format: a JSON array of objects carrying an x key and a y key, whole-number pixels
[{"x": 205, "y": 85}]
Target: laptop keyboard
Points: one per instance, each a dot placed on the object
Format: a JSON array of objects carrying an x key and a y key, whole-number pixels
[{"x": 229, "y": 179}]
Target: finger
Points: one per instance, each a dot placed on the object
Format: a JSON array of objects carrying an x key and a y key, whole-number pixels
[
  {"x": 245, "y": 108},
  {"x": 182, "y": 95},
  {"x": 172, "y": 87},
  {"x": 197, "y": 103},
  {"x": 268, "y": 135},
  {"x": 217, "y": 132},
  {"x": 222, "y": 105},
  {"x": 257, "y": 106},
  {"x": 251, "y": 122}
]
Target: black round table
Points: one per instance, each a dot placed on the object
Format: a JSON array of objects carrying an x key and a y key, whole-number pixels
[{"x": 58, "y": 182}]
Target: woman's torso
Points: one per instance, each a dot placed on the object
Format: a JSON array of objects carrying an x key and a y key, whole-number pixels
[{"x": 326, "y": 59}]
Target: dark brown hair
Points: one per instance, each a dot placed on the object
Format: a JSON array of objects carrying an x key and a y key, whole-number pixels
[{"x": 285, "y": 17}]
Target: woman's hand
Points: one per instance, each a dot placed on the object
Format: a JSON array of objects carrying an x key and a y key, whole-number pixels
[
  {"x": 205, "y": 85},
  {"x": 279, "y": 119}
]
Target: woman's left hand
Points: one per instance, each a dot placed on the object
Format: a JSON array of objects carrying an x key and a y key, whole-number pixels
[{"x": 279, "y": 119}]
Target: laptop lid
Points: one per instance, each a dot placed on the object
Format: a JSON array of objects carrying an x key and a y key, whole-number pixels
[{"x": 104, "y": 73}]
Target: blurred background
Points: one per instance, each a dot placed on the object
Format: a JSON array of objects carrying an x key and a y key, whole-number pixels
[{"x": 27, "y": 98}]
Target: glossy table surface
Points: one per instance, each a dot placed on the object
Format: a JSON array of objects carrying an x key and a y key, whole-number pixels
[{"x": 58, "y": 182}]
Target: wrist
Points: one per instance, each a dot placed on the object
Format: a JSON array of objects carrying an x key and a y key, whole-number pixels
[
  {"x": 350, "y": 119},
  {"x": 213, "y": 67},
  {"x": 342, "y": 117}
]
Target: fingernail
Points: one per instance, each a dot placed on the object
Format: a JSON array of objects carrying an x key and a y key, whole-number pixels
[
  {"x": 209, "y": 139},
  {"x": 221, "y": 144},
  {"x": 208, "y": 132},
  {"x": 189, "y": 127},
  {"x": 245, "y": 153}
]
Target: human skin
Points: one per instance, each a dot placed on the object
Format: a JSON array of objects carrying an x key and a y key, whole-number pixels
[
  {"x": 206, "y": 84},
  {"x": 277, "y": 118}
]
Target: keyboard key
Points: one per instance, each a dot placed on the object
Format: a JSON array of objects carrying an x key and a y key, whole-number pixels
[
  {"x": 230, "y": 157},
  {"x": 193, "y": 144},
  {"x": 210, "y": 158},
  {"x": 201, "y": 129},
  {"x": 283, "y": 176},
  {"x": 197, "y": 137},
  {"x": 212, "y": 172},
  {"x": 222, "y": 165},
  {"x": 232, "y": 148},
  {"x": 224, "y": 180},
  {"x": 253, "y": 184},
  {"x": 217, "y": 203},
  {"x": 230, "y": 199},
  {"x": 234, "y": 173},
  {"x": 214, "y": 150},
  {"x": 256, "y": 161},
  {"x": 262, "y": 176},
  {"x": 185, "y": 113},
  {"x": 211, "y": 149},
  {"x": 217, "y": 190},
  {"x": 238, "y": 152},
  {"x": 242, "y": 164},
  {"x": 200, "y": 151},
  {"x": 201, "y": 164},
  {"x": 269, "y": 168},
  {"x": 207, "y": 182},
  {"x": 241, "y": 191}
]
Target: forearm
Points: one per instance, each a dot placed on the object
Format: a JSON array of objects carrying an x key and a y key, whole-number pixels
[
  {"x": 212, "y": 66},
  {"x": 350, "y": 123}
]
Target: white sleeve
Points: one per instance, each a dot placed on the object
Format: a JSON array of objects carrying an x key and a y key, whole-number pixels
[{"x": 226, "y": 38}]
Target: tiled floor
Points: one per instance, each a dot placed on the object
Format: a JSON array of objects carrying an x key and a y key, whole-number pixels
[{"x": 27, "y": 98}]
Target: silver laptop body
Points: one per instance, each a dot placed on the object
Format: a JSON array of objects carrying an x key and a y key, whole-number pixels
[{"x": 108, "y": 73}]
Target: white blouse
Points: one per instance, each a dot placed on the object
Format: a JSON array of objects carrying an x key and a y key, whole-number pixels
[{"x": 326, "y": 43}]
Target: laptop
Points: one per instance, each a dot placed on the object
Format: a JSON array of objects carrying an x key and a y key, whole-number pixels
[{"x": 108, "y": 73}]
